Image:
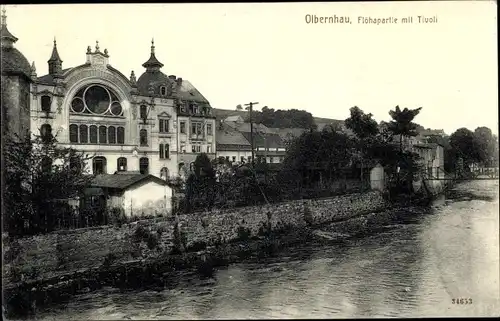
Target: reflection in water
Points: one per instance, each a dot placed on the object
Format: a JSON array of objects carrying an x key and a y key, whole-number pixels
[{"x": 411, "y": 269}]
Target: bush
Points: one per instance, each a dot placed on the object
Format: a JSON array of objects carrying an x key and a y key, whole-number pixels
[{"x": 243, "y": 233}]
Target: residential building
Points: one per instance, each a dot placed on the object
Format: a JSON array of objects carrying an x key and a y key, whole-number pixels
[{"x": 232, "y": 145}]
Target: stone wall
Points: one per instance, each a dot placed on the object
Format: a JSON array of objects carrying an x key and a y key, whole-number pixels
[{"x": 63, "y": 252}]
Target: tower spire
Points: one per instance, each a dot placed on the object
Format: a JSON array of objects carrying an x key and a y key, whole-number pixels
[
  {"x": 55, "y": 62},
  {"x": 152, "y": 64},
  {"x": 7, "y": 38}
]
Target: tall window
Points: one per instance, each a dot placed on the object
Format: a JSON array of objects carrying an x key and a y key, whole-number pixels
[
  {"x": 73, "y": 133},
  {"x": 196, "y": 148},
  {"x": 242, "y": 159},
  {"x": 164, "y": 173},
  {"x": 234, "y": 159},
  {"x": 102, "y": 135},
  {"x": 209, "y": 149},
  {"x": 164, "y": 151},
  {"x": 143, "y": 136},
  {"x": 46, "y": 102},
  {"x": 121, "y": 135},
  {"x": 196, "y": 128},
  {"x": 143, "y": 112},
  {"x": 144, "y": 165},
  {"x": 121, "y": 164},
  {"x": 163, "y": 90},
  {"x": 183, "y": 127},
  {"x": 99, "y": 165},
  {"x": 164, "y": 125},
  {"x": 93, "y": 134},
  {"x": 46, "y": 133},
  {"x": 271, "y": 159},
  {"x": 209, "y": 130},
  {"x": 84, "y": 134},
  {"x": 112, "y": 134}
]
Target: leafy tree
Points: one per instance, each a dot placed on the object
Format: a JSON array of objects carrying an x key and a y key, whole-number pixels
[
  {"x": 402, "y": 123},
  {"x": 239, "y": 108},
  {"x": 39, "y": 176},
  {"x": 486, "y": 144},
  {"x": 292, "y": 118},
  {"x": 465, "y": 145},
  {"x": 364, "y": 127}
]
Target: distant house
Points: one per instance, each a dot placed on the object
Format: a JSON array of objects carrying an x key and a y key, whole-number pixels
[
  {"x": 232, "y": 145},
  {"x": 137, "y": 194},
  {"x": 236, "y": 118},
  {"x": 268, "y": 147},
  {"x": 432, "y": 159}
]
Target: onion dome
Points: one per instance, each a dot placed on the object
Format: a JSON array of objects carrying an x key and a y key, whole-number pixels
[{"x": 13, "y": 61}]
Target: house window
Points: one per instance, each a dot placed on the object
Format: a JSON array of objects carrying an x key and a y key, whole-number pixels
[
  {"x": 102, "y": 134},
  {"x": 143, "y": 135},
  {"x": 196, "y": 128},
  {"x": 196, "y": 148},
  {"x": 164, "y": 125},
  {"x": 234, "y": 159},
  {"x": 209, "y": 149},
  {"x": 112, "y": 134},
  {"x": 164, "y": 151},
  {"x": 46, "y": 103},
  {"x": 84, "y": 134},
  {"x": 164, "y": 173},
  {"x": 121, "y": 164},
  {"x": 209, "y": 129},
  {"x": 99, "y": 165},
  {"x": 46, "y": 165},
  {"x": 163, "y": 90},
  {"x": 144, "y": 112},
  {"x": 227, "y": 158},
  {"x": 242, "y": 159},
  {"x": 144, "y": 165},
  {"x": 183, "y": 127},
  {"x": 73, "y": 133},
  {"x": 271, "y": 159},
  {"x": 93, "y": 134},
  {"x": 46, "y": 133},
  {"x": 121, "y": 135},
  {"x": 249, "y": 158}
]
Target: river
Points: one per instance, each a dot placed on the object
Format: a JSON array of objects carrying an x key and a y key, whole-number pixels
[{"x": 410, "y": 269}]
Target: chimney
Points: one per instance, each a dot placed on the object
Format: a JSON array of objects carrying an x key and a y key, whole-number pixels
[
  {"x": 179, "y": 81},
  {"x": 172, "y": 77}
]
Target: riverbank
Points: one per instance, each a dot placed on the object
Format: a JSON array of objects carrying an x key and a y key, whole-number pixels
[{"x": 48, "y": 268}]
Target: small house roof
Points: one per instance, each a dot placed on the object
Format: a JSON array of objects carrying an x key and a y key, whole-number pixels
[{"x": 124, "y": 181}]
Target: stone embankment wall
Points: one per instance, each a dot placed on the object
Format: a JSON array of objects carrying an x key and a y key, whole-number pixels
[{"x": 64, "y": 252}]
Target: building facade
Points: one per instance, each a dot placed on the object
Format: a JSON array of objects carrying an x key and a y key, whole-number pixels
[{"x": 153, "y": 124}]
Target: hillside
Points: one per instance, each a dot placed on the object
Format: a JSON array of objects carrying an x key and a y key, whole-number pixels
[{"x": 223, "y": 113}]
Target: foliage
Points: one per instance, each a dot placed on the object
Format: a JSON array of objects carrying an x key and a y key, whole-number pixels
[
  {"x": 465, "y": 146},
  {"x": 363, "y": 125},
  {"x": 292, "y": 118},
  {"x": 39, "y": 176},
  {"x": 402, "y": 123},
  {"x": 487, "y": 145}
]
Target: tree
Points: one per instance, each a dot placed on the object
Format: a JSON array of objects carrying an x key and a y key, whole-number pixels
[
  {"x": 239, "y": 108},
  {"x": 292, "y": 118},
  {"x": 40, "y": 176},
  {"x": 402, "y": 123},
  {"x": 486, "y": 144},
  {"x": 465, "y": 146},
  {"x": 363, "y": 126}
]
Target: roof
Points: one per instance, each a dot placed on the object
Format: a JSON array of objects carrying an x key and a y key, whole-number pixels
[
  {"x": 286, "y": 133},
  {"x": 124, "y": 181},
  {"x": 188, "y": 92},
  {"x": 230, "y": 137},
  {"x": 234, "y": 118},
  {"x": 265, "y": 140},
  {"x": 245, "y": 127},
  {"x": 14, "y": 62},
  {"x": 49, "y": 79},
  {"x": 55, "y": 55},
  {"x": 154, "y": 78}
]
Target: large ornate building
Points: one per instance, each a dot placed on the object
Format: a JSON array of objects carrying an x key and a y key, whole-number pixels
[{"x": 155, "y": 124}]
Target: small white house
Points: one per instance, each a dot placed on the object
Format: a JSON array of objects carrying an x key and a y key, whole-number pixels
[{"x": 137, "y": 194}]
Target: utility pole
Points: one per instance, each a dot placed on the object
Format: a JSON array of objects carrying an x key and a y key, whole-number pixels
[{"x": 250, "y": 109}]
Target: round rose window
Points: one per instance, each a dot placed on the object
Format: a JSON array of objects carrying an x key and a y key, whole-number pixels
[{"x": 96, "y": 100}]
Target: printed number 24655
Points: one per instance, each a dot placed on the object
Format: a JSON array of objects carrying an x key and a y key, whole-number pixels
[{"x": 461, "y": 301}]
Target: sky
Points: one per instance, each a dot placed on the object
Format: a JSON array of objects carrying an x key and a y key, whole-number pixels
[{"x": 268, "y": 53}]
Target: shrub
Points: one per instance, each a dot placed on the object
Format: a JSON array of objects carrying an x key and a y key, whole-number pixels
[{"x": 243, "y": 233}]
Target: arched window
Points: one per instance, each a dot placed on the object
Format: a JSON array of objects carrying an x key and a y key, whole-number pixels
[
  {"x": 112, "y": 134},
  {"x": 143, "y": 136},
  {"x": 102, "y": 134},
  {"x": 93, "y": 134},
  {"x": 144, "y": 165},
  {"x": 144, "y": 112},
  {"x": 99, "y": 165},
  {"x": 163, "y": 90},
  {"x": 73, "y": 133},
  {"x": 46, "y": 133},
  {"x": 84, "y": 134},
  {"x": 164, "y": 173},
  {"x": 46, "y": 165},
  {"x": 121, "y": 164},
  {"x": 96, "y": 99},
  {"x": 121, "y": 135},
  {"x": 46, "y": 102}
]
